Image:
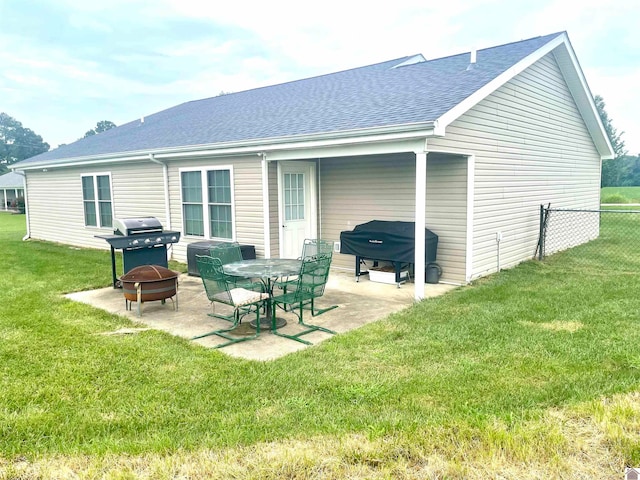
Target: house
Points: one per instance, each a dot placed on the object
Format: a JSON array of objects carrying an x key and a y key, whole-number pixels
[
  {"x": 468, "y": 145},
  {"x": 11, "y": 189}
]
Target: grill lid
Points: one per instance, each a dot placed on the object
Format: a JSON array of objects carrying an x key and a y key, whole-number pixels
[
  {"x": 148, "y": 273},
  {"x": 131, "y": 226}
]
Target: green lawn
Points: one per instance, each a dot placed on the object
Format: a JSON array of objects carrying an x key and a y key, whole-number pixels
[
  {"x": 526, "y": 368},
  {"x": 620, "y": 195}
]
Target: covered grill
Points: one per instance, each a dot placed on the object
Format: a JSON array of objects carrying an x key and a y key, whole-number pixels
[
  {"x": 143, "y": 241},
  {"x": 389, "y": 241}
]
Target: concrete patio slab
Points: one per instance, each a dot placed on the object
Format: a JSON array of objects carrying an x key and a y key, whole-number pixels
[{"x": 358, "y": 303}]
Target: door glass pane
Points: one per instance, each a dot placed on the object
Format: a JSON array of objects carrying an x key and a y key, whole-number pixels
[{"x": 294, "y": 204}]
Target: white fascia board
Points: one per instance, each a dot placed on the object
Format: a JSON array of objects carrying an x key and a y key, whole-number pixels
[
  {"x": 482, "y": 93},
  {"x": 336, "y": 139},
  {"x": 577, "y": 83},
  {"x": 574, "y": 77},
  {"x": 365, "y": 147},
  {"x": 74, "y": 162}
]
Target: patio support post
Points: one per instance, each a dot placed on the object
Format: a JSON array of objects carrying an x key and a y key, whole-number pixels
[
  {"x": 420, "y": 222},
  {"x": 265, "y": 205}
]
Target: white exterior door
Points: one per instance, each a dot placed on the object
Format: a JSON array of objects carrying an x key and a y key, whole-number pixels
[{"x": 298, "y": 217}]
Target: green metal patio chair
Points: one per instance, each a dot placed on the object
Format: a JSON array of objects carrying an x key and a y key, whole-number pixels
[
  {"x": 220, "y": 290},
  {"x": 301, "y": 296},
  {"x": 230, "y": 252},
  {"x": 310, "y": 248}
]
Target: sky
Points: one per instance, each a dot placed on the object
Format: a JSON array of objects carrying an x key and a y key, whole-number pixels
[{"x": 67, "y": 64}]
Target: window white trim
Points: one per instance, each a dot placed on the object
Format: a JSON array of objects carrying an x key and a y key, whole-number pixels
[
  {"x": 96, "y": 200},
  {"x": 205, "y": 201}
]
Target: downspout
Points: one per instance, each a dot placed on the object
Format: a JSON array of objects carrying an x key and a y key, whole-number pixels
[
  {"x": 167, "y": 204},
  {"x": 265, "y": 205},
  {"x": 26, "y": 203}
]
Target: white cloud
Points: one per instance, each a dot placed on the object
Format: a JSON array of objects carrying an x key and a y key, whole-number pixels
[
  {"x": 622, "y": 103},
  {"x": 60, "y": 94}
]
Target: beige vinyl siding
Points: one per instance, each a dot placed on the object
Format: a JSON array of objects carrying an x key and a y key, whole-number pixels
[
  {"x": 355, "y": 190},
  {"x": 56, "y": 210},
  {"x": 446, "y": 212},
  {"x": 247, "y": 195},
  {"x": 531, "y": 147}
]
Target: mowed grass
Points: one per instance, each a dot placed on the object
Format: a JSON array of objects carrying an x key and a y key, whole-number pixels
[
  {"x": 533, "y": 371},
  {"x": 620, "y": 194}
]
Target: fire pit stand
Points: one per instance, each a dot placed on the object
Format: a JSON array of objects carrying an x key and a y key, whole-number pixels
[{"x": 148, "y": 283}]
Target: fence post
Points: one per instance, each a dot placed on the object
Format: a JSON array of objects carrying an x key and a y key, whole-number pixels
[{"x": 541, "y": 234}]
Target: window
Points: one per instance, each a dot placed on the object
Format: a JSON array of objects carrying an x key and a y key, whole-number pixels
[
  {"x": 207, "y": 203},
  {"x": 96, "y": 196}
]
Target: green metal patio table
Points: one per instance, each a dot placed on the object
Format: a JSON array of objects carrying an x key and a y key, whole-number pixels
[{"x": 268, "y": 270}]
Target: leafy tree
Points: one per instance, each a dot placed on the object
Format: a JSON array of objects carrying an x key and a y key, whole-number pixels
[
  {"x": 17, "y": 142},
  {"x": 612, "y": 170},
  {"x": 614, "y": 137},
  {"x": 101, "y": 126}
]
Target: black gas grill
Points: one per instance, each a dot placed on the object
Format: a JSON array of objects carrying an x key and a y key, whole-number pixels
[
  {"x": 389, "y": 241},
  {"x": 143, "y": 241}
]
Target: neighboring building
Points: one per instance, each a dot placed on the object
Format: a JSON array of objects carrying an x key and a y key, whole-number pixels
[
  {"x": 11, "y": 189},
  {"x": 476, "y": 141}
]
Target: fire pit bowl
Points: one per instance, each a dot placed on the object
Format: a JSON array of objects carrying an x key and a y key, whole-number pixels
[{"x": 148, "y": 283}]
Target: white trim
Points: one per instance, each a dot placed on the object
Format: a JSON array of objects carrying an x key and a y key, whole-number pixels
[
  {"x": 471, "y": 175},
  {"x": 420, "y": 224},
  {"x": 26, "y": 208},
  {"x": 577, "y": 83},
  {"x": 265, "y": 206},
  {"x": 96, "y": 200},
  {"x": 205, "y": 202},
  {"x": 319, "y": 182},
  {"x": 280, "y": 214},
  {"x": 579, "y": 89},
  {"x": 480, "y": 94},
  {"x": 311, "y": 168},
  {"x": 333, "y": 139}
]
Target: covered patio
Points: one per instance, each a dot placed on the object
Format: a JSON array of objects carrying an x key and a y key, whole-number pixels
[{"x": 359, "y": 303}]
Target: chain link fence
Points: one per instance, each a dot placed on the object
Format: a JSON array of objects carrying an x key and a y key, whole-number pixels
[{"x": 608, "y": 239}]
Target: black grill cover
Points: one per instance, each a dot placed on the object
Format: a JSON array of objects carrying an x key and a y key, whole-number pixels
[{"x": 385, "y": 240}]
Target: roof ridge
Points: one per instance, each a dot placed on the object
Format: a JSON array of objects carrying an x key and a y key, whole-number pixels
[{"x": 493, "y": 47}]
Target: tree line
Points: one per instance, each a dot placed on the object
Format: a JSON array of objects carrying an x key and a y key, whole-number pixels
[
  {"x": 623, "y": 170},
  {"x": 18, "y": 142}
]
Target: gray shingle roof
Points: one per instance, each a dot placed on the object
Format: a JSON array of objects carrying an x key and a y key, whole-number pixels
[
  {"x": 11, "y": 180},
  {"x": 366, "y": 97}
]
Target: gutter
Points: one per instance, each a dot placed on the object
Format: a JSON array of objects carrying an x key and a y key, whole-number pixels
[
  {"x": 26, "y": 202},
  {"x": 258, "y": 146}
]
